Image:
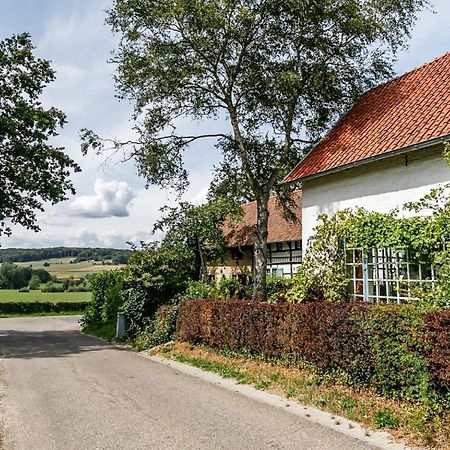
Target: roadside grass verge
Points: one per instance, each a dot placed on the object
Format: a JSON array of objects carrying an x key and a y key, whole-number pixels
[
  {"x": 410, "y": 422},
  {"x": 102, "y": 331}
]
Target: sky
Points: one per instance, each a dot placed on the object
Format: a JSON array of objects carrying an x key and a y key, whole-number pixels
[{"x": 112, "y": 206}]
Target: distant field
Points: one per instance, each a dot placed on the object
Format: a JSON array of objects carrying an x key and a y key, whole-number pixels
[
  {"x": 8, "y": 295},
  {"x": 63, "y": 269}
]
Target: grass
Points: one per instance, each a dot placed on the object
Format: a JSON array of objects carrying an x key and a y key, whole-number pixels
[
  {"x": 10, "y": 295},
  {"x": 102, "y": 331},
  {"x": 407, "y": 421},
  {"x": 62, "y": 268}
]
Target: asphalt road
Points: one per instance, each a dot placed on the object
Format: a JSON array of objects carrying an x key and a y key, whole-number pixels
[{"x": 63, "y": 390}]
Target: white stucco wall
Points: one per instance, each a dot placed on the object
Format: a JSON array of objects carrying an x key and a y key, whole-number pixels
[{"x": 380, "y": 186}]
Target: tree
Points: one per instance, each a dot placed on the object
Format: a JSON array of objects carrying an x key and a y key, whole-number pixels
[
  {"x": 42, "y": 274},
  {"x": 196, "y": 231},
  {"x": 35, "y": 283},
  {"x": 279, "y": 71},
  {"x": 31, "y": 170},
  {"x": 13, "y": 276}
]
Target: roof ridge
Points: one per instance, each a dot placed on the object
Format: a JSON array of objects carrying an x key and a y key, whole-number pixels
[{"x": 406, "y": 74}]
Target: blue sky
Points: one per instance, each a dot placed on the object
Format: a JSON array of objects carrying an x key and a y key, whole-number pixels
[{"x": 111, "y": 205}]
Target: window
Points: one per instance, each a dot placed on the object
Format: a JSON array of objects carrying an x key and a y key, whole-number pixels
[
  {"x": 298, "y": 245},
  {"x": 279, "y": 246},
  {"x": 275, "y": 271},
  {"x": 385, "y": 275}
]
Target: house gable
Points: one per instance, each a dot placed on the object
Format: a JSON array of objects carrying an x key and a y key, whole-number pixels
[{"x": 379, "y": 186}]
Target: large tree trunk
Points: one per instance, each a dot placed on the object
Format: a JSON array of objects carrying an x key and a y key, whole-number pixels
[{"x": 260, "y": 249}]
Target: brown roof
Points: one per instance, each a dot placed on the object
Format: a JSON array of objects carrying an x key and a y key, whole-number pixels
[
  {"x": 411, "y": 109},
  {"x": 280, "y": 229}
]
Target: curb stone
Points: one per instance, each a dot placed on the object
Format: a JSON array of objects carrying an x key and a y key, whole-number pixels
[{"x": 379, "y": 439}]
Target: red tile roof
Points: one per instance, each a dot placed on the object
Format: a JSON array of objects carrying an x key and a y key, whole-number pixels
[
  {"x": 280, "y": 229},
  {"x": 411, "y": 109}
]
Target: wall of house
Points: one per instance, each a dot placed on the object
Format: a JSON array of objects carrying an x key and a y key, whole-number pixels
[
  {"x": 283, "y": 261},
  {"x": 380, "y": 186},
  {"x": 231, "y": 266},
  {"x": 284, "y": 258}
]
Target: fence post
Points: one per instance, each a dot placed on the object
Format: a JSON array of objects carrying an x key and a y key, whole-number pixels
[{"x": 120, "y": 327}]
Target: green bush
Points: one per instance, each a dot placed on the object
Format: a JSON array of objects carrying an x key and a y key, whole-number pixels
[
  {"x": 196, "y": 290},
  {"x": 52, "y": 287},
  {"x": 40, "y": 307},
  {"x": 229, "y": 288},
  {"x": 385, "y": 418},
  {"x": 106, "y": 298},
  {"x": 24, "y": 289},
  {"x": 154, "y": 276},
  {"x": 35, "y": 283},
  {"x": 277, "y": 289},
  {"x": 160, "y": 330},
  {"x": 79, "y": 288},
  {"x": 395, "y": 335}
]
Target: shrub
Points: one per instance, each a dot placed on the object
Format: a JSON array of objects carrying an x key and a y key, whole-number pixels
[
  {"x": 402, "y": 351},
  {"x": 52, "y": 287},
  {"x": 395, "y": 335},
  {"x": 24, "y": 289},
  {"x": 437, "y": 348},
  {"x": 153, "y": 277},
  {"x": 42, "y": 274},
  {"x": 229, "y": 288},
  {"x": 79, "y": 288},
  {"x": 34, "y": 283},
  {"x": 277, "y": 288},
  {"x": 40, "y": 307},
  {"x": 106, "y": 297},
  {"x": 160, "y": 330},
  {"x": 197, "y": 290},
  {"x": 385, "y": 418}
]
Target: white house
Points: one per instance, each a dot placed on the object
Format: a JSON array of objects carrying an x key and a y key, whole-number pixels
[{"x": 386, "y": 151}]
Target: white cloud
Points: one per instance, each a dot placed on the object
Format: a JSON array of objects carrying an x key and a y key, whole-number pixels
[
  {"x": 111, "y": 199},
  {"x": 200, "y": 197},
  {"x": 85, "y": 237}
]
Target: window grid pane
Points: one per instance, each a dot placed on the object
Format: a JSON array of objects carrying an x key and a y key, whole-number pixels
[{"x": 389, "y": 276}]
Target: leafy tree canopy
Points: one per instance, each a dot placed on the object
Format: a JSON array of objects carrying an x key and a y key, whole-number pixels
[
  {"x": 196, "y": 231},
  {"x": 31, "y": 170},
  {"x": 279, "y": 71}
]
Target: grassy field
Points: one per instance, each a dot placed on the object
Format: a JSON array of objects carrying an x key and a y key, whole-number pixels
[
  {"x": 8, "y": 295},
  {"x": 62, "y": 268}
]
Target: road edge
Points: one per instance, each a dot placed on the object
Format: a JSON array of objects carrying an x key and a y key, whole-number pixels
[{"x": 379, "y": 439}]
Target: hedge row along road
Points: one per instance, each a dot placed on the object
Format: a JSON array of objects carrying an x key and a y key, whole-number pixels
[{"x": 65, "y": 390}]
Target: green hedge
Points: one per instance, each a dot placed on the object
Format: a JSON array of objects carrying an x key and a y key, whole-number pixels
[
  {"x": 402, "y": 351},
  {"x": 40, "y": 307}
]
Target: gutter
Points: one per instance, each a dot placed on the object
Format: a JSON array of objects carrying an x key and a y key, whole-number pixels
[{"x": 400, "y": 151}]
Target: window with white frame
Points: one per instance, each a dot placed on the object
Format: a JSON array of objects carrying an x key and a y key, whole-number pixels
[{"x": 385, "y": 275}]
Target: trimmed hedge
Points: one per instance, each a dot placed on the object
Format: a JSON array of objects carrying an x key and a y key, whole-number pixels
[
  {"x": 437, "y": 338},
  {"x": 40, "y": 307},
  {"x": 400, "y": 350}
]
